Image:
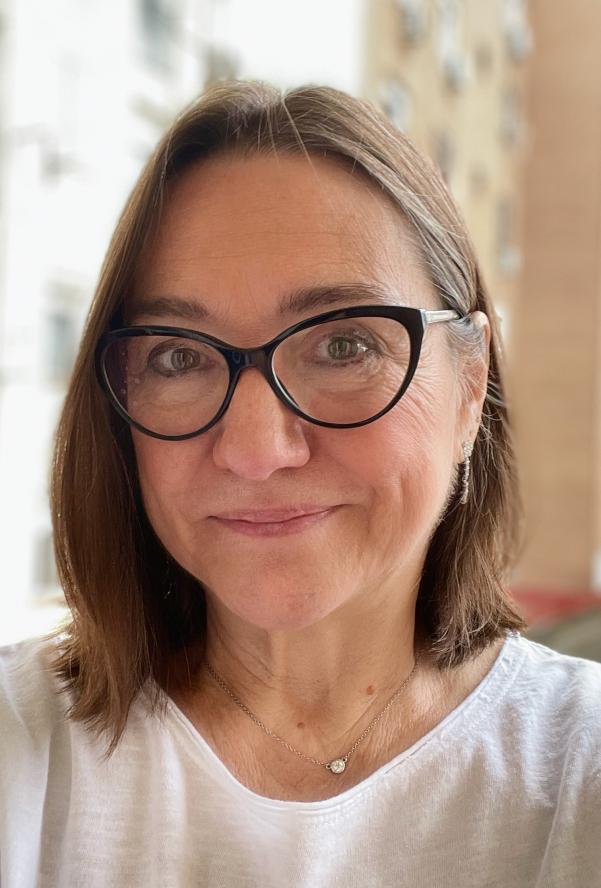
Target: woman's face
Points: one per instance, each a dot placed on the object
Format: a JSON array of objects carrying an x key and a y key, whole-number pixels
[{"x": 238, "y": 236}]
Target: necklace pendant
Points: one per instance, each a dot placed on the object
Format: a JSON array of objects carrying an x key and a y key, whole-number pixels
[{"x": 336, "y": 766}]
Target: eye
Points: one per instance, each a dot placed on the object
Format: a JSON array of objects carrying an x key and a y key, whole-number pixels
[
  {"x": 344, "y": 346},
  {"x": 169, "y": 360}
]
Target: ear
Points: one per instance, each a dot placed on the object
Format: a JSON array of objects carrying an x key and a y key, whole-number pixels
[{"x": 473, "y": 375}]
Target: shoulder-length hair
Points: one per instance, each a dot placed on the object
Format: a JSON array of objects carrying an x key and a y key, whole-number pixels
[{"x": 138, "y": 618}]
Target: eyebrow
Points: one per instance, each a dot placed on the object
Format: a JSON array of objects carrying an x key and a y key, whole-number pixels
[{"x": 296, "y": 302}]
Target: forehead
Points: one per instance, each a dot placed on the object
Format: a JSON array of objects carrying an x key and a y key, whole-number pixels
[{"x": 238, "y": 235}]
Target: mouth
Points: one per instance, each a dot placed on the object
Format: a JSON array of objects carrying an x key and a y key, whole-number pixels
[{"x": 273, "y": 522}]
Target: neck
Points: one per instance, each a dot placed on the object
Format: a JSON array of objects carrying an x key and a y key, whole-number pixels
[{"x": 319, "y": 686}]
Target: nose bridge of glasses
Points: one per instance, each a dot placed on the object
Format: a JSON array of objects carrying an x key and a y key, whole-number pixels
[
  {"x": 240, "y": 360},
  {"x": 245, "y": 358}
]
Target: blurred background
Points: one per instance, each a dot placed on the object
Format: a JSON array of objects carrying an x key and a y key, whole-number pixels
[{"x": 504, "y": 95}]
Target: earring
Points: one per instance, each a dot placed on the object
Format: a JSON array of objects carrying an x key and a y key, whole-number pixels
[{"x": 467, "y": 452}]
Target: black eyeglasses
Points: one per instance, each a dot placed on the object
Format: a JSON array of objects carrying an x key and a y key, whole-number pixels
[{"x": 341, "y": 369}]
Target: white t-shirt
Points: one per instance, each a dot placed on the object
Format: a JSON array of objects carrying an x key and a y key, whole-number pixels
[{"x": 505, "y": 792}]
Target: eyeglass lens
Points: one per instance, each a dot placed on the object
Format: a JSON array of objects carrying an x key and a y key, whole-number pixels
[{"x": 343, "y": 371}]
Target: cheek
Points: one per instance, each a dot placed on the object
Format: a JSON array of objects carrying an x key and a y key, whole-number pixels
[
  {"x": 407, "y": 455},
  {"x": 421, "y": 424},
  {"x": 166, "y": 470},
  {"x": 426, "y": 426}
]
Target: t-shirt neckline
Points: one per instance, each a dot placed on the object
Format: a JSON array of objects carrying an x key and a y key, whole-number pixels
[{"x": 496, "y": 675}]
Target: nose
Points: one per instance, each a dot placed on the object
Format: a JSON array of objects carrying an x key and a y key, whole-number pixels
[{"x": 258, "y": 434}]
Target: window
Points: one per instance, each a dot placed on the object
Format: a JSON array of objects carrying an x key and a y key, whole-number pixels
[
  {"x": 413, "y": 19},
  {"x": 453, "y": 60},
  {"x": 397, "y": 103},
  {"x": 157, "y": 23},
  {"x": 518, "y": 35},
  {"x": 44, "y": 574},
  {"x": 60, "y": 345},
  {"x": 61, "y": 330},
  {"x": 444, "y": 155},
  {"x": 221, "y": 65}
]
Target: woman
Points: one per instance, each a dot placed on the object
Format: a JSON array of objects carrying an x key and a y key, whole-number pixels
[{"x": 285, "y": 510}]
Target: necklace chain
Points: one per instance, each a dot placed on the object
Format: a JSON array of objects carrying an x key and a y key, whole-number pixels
[{"x": 336, "y": 766}]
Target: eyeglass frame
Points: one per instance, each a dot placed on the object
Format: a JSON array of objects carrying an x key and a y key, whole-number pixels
[{"x": 414, "y": 320}]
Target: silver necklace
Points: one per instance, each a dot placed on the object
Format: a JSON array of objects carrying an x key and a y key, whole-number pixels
[{"x": 335, "y": 766}]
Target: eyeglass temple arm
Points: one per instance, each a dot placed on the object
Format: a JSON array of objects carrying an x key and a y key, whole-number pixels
[{"x": 439, "y": 316}]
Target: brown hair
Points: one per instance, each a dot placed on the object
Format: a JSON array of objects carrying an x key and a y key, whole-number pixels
[{"x": 124, "y": 629}]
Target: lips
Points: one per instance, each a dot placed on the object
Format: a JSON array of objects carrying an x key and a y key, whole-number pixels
[
  {"x": 271, "y": 516},
  {"x": 273, "y": 522}
]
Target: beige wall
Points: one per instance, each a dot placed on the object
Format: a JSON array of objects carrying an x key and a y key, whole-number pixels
[
  {"x": 557, "y": 372},
  {"x": 544, "y": 164},
  {"x": 486, "y": 153}
]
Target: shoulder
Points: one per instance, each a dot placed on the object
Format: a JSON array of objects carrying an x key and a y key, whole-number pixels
[
  {"x": 552, "y": 709},
  {"x": 559, "y": 714},
  {"x": 31, "y": 705},
  {"x": 558, "y": 683}
]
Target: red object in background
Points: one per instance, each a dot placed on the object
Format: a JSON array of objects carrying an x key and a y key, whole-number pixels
[{"x": 543, "y": 606}]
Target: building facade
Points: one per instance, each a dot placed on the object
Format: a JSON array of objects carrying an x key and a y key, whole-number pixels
[
  {"x": 451, "y": 75},
  {"x": 505, "y": 96},
  {"x": 557, "y": 353},
  {"x": 85, "y": 92}
]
